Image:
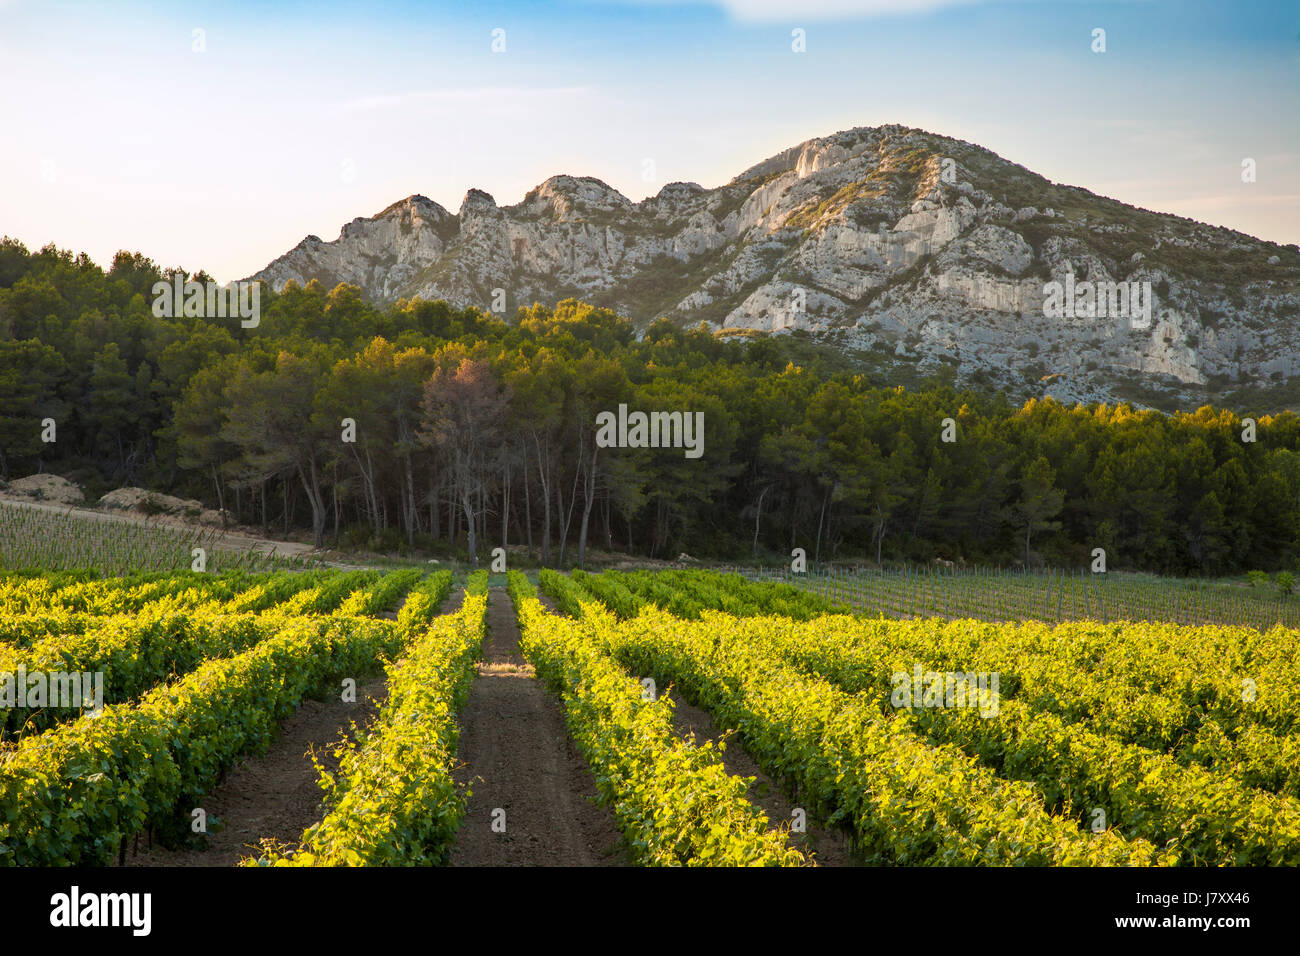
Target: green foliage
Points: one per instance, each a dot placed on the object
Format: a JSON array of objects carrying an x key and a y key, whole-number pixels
[
  {"x": 684, "y": 593},
  {"x": 674, "y": 801},
  {"x": 423, "y": 602},
  {"x": 908, "y": 803},
  {"x": 1073, "y": 718},
  {"x": 800, "y": 450},
  {"x": 139, "y": 636},
  {"x": 72, "y": 795},
  {"x": 35, "y": 538},
  {"x": 393, "y": 801},
  {"x": 1046, "y": 595}
]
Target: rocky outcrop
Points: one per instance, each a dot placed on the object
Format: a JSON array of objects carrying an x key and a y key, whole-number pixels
[
  {"x": 44, "y": 487},
  {"x": 889, "y": 240}
]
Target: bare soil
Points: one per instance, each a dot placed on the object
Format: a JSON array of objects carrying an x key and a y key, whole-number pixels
[
  {"x": 827, "y": 847},
  {"x": 518, "y": 757},
  {"x": 277, "y": 795}
]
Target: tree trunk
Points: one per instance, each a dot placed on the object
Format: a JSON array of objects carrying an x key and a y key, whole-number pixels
[
  {"x": 505, "y": 505},
  {"x": 758, "y": 515},
  {"x": 412, "y": 514},
  {"x": 609, "y": 530},
  {"x": 435, "y": 513},
  {"x": 573, "y": 500},
  {"x": 589, "y": 499},
  {"x": 221, "y": 496},
  {"x": 543, "y": 476},
  {"x": 528, "y": 505},
  {"x": 467, "y": 505},
  {"x": 312, "y": 487},
  {"x": 482, "y": 507},
  {"x": 817, "y": 548},
  {"x": 453, "y": 518}
]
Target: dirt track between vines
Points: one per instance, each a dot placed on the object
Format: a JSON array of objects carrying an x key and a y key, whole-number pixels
[
  {"x": 518, "y": 757},
  {"x": 827, "y": 847},
  {"x": 515, "y": 754},
  {"x": 277, "y": 795}
]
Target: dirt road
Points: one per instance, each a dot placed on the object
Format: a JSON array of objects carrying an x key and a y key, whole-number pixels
[{"x": 518, "y": 758}]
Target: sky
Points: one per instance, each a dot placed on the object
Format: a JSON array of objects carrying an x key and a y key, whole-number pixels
[{"x": 217, "y": 135}]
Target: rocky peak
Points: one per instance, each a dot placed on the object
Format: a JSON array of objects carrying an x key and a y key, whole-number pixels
[
  {"x": 419, "y": 207},
  {"x": 912, "y": 247},
  {"x": 565, "y": 198},
  {"x": 680, "y": 191},
  {"x": 477, "y": 202}
]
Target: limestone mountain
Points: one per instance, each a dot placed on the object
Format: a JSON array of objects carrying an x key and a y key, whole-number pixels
[{"x": 896, "y": 246}]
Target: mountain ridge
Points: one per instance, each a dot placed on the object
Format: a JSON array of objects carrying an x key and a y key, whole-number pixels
[{"x": 891, "y": 242}]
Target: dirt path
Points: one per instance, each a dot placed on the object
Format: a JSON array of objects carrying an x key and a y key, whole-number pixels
[
  {"x": 518, "y": 757},
  {"x": 277, "y": 795},
  {"x": 828, "y": 847}
]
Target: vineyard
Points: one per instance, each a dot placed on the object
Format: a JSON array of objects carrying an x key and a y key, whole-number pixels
[
  {"x": 1108, "y": 744},
  {"x": 922, "y": 741},
  {"x": 197, "y": 671},
  {"x": 995, "y": 594},
  {"x": 33, "y": 538}
]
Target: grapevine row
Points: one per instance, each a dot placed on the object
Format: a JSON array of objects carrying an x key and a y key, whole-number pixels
[
  {"x": 393, "y": 800},
  {"x": 674, "y": 801},
  {"x": 73, "y": 795},
  {"x": 907, "y": 802}
]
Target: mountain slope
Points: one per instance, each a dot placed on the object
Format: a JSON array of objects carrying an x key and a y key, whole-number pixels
[{"x": 895, "y": 244}]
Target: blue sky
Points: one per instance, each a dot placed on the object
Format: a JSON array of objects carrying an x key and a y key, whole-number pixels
[{"x": 299, "y": 117}]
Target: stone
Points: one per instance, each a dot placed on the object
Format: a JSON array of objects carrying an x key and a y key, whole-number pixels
[{"x": 889, "y": 255}]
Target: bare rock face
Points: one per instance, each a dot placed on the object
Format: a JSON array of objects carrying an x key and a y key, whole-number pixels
[
  {"x": 887, "y": 240},
  {"x": 380, "y": 255}
]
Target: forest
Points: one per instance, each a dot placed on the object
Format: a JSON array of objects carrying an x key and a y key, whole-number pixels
[{"x": 428, "y": 429}]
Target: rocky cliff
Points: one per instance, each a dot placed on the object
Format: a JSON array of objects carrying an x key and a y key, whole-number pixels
[{"x": 898, "y": 246}]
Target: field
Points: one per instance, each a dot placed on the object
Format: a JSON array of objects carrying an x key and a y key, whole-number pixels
[
  {"x": 39, "y": 537},
  {"x": 657, "y": 718},
  {"x": 1047, "y": 595},
  {"x": 1091, "y": 743}
]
